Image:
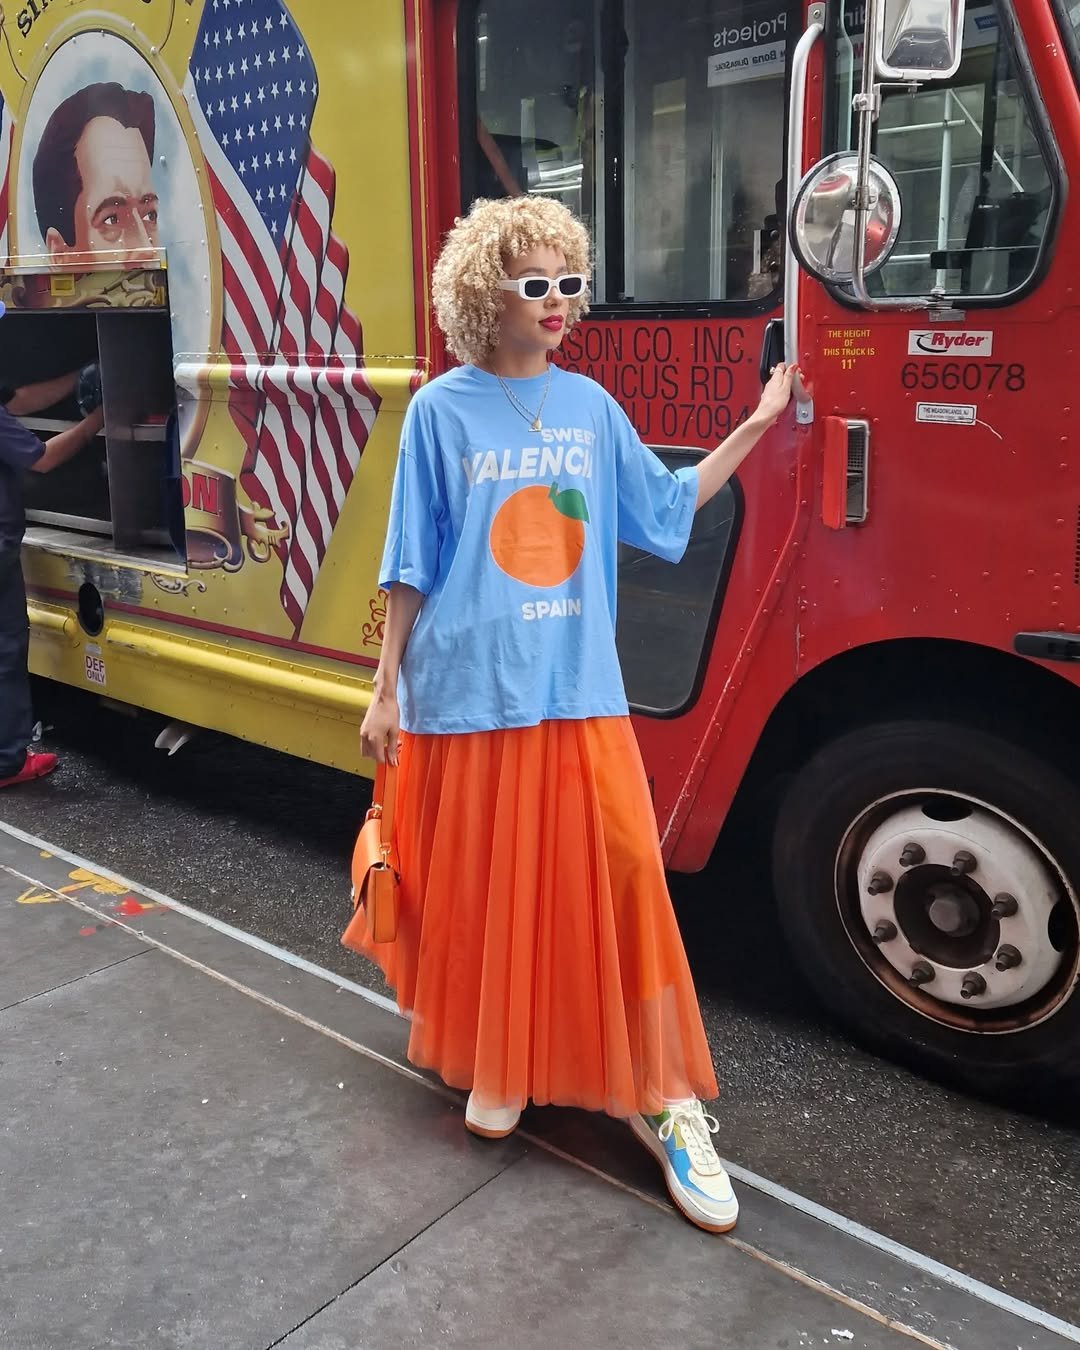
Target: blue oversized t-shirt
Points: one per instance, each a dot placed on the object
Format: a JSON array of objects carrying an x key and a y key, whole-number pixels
[{"x": 512, "y": 536}]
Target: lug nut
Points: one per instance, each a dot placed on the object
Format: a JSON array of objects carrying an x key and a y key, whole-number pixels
[
  {"x": 880, "y": 883},
  {"x": 885, "y": 931},
  {"x": 913, "y": 855},
  {"x": 921, "y": 973},
  {"x": 1008, "y": 957},
  {"x": 963, "y": 863},
  {"x": 1004, "y": 906},
  {"x": 973, "y": 985}
]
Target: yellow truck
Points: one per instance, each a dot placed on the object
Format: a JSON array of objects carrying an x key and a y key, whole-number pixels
[{"x": 180, "y": 179}]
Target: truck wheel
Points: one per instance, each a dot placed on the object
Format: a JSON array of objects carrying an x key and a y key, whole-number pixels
[{"x": 927, "y": 876}]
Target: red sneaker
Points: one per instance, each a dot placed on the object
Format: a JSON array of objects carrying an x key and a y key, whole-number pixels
[{"x": 37, "y": 765}]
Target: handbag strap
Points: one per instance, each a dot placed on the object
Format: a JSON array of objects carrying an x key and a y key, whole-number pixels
[{"x": 386, "y": 795}]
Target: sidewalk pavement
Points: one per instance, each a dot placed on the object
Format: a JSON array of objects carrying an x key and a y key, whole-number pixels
[{"x": 206, "y": 1145}]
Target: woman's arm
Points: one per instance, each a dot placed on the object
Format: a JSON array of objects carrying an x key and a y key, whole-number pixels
[
  {"x": 382, "y": 724},
  {"x": 715, "y": 469}
]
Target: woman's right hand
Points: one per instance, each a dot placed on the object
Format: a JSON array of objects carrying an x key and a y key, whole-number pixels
[{"x": 380, "y": 729}]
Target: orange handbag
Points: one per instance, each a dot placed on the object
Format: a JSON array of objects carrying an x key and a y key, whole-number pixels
[{"x": 374, "y": 877}]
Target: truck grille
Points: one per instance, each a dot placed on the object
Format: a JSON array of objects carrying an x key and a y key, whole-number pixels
[
  {"x": 1076, "y": 561},
  {"x": 858, "y": 471}
]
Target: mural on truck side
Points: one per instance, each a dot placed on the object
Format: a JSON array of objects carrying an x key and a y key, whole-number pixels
[{"x": 172, "y": 139}]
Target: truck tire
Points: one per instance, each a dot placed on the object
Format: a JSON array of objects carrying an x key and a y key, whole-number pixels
[{"x": 927, "y": 878}]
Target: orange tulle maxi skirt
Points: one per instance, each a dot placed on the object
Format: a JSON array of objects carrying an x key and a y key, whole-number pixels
[{"x": 537, "y": 949}]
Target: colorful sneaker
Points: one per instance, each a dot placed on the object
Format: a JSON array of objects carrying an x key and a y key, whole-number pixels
[
  {"x": 37, "y": 765},
  {"x": 680, "y": 1139},
  {"x": 490, "y": 1122}
]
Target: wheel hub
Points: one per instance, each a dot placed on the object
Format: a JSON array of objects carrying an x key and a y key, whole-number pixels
[
  {"x": 959, "y": 908},
  {"x": 951, "y": 911}
]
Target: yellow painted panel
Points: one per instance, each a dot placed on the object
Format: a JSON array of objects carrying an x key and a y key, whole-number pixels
[
  {"x": 306, "y": 706},
  {"x": 248, "y": 500}
]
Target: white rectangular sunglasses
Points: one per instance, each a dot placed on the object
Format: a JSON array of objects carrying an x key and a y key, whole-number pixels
[{"x": 539, "y": 288}]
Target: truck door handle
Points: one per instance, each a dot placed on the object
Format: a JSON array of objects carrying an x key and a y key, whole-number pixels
[
  {"x": 804, "y": 407},
  {"x": 772, "y": 348}
]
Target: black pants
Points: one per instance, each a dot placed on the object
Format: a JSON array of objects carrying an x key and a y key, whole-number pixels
[{"x": 16, "y": 718}]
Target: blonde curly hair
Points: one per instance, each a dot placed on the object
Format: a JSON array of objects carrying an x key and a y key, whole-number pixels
[{"x": 464, "y": 284}]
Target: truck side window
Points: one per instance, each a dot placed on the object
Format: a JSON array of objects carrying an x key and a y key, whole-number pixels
[
  {"x": 660, "y": 125},
  {"x": 974, "y": 174},
  {"x": 667, "y": 614},
  {"x": 704, "y": 120},
  {"x": 534, "y": 102}
]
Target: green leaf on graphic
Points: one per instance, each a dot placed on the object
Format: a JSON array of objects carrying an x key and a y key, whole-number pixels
[{"x": 570, "y": 503}]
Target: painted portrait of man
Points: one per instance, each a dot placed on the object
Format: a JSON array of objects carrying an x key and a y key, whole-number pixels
[{"x": 93, "y": 176}]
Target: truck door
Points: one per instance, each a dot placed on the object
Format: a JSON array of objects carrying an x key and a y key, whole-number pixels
[
  {"x": 662, "y": 126},
  {"x": 980, "y": 185},
  {"x": 926, "y": 856}
]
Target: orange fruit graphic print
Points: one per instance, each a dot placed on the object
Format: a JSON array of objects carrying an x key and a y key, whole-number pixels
[{"x": 538, "y": 534}]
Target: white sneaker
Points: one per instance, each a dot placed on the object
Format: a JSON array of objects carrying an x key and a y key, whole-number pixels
[
  {"x": 490, "y": 1122},
  {"x": 680, "y": 1139}
]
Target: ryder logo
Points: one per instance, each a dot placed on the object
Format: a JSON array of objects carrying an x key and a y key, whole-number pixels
[{"x": 946, "y": 342}]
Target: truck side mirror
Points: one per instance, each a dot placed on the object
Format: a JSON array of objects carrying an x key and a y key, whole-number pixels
[
  {"x": 918, "y": 39},
  {"x": 823, "y": 218}
]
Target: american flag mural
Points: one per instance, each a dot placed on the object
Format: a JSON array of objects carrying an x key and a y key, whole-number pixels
[{"x": 298, "y": 390}]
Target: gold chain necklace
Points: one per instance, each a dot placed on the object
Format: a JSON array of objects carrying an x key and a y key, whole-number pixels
[{"x": 533, "y": 419}]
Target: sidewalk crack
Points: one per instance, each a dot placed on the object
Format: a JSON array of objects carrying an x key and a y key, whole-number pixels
[
  {"x": 77, "y": 979},
  {"x": 398, "y": 1250}
]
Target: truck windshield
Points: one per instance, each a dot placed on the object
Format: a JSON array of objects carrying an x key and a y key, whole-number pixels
[{"x": 974, "y": 173}]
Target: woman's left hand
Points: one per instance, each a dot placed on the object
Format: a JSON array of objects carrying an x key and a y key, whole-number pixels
[{"x": 777, "y": 393}]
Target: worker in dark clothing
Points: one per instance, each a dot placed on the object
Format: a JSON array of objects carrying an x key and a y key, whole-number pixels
[{"x": 20, "y": 450}]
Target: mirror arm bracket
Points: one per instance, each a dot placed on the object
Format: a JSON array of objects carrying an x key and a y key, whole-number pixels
[{"x": 867, "y": 104}]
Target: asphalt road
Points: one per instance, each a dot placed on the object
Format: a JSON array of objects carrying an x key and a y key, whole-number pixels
[{"x": 262, "y": 842}]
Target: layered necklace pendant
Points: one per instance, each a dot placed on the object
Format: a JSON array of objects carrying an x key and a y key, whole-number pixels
[{"x": 535, "y": 420}]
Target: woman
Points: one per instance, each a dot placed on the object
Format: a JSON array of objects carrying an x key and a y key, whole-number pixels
[{"x": 536, "y": 949}]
